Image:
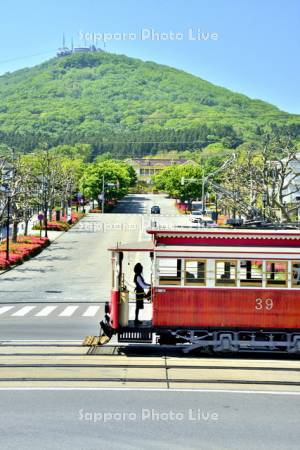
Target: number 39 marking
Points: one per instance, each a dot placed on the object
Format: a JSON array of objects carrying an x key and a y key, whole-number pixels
[{"x": 263, "y": 304}]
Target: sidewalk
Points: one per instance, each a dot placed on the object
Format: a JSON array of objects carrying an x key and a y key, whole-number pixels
[
  {"x": 34, "y": 221},
  {"x": 52, "y": 235}
]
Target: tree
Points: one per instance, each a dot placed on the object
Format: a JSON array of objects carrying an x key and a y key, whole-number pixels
[
  {"x": 77, "y": 151},
  {"x": 262, "y": 178},
  {"x": 279, "y": 175},
  {"x": 113, "y": 172},
  {"x": 181, "y": 181}
]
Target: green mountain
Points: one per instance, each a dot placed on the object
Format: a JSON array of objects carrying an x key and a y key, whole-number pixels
[{"x": 127, "y": 107}]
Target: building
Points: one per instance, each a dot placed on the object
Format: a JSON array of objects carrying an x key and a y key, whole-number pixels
[
  {"x": 66, "y": 51},
  {"x": 293, "y": 181},
  {"x": 146, "y": 168}
]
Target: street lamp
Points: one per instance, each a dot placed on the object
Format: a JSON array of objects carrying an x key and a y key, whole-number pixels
[
  {"x": 103, "y": 194},
  {"x": 7, "y": 174},
  {"x": 8, "y": 193},
  {"x": 108, "y": 185},
  {"x": 5, "y": 189}
]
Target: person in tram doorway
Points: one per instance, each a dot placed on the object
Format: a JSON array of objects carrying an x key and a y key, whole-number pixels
[{"x": 140, "y": 286}]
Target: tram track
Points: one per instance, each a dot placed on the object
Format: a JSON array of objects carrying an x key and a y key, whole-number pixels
[{"x": 70, "y": 365}]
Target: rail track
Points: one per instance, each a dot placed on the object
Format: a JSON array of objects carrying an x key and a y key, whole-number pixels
[{"x": 68, "y": 364}]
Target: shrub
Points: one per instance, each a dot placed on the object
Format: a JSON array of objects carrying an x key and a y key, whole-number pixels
[
  {"x": 24, "y": 248},
  {"x": 95, "y": 211},
  {"x": 62, "y": 225}
]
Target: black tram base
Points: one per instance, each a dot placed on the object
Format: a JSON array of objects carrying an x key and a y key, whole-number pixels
[{"x": 213, "y": 339}]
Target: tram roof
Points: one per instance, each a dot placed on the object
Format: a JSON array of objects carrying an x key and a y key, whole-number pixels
[
  {"x": 216, "y": 252},
  {"x": 182, "y": 231},
  {"x": 206, "y": 251}
]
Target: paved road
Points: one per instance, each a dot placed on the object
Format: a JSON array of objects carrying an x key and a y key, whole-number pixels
[
  {"x": 148, "y": 420},
  {"x": 49, "y": 320},
  {"x": 74, "y": 269}
]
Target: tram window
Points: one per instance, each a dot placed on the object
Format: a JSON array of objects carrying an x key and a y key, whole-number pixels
[
  {"x": 194, "y": 272},
  {"x": 225, "y": 273},
  {"x": 276, "y": 273},
  {"x": 296, "y": 273},
  {"x": 251, "y": 273},
  {"x": 169, "y": 271}
]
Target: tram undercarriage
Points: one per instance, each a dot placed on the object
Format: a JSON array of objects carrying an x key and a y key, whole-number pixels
[
  {"x": 234, "y": 341},
  {"x": 216, "y": 340}
]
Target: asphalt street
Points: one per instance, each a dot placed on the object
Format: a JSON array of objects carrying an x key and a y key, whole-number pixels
[
  {"x": 75, "y": 270},
  {"x": 148, "y": 420}
]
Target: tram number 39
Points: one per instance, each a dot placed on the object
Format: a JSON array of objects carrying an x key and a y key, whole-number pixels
[{"x": 262, "y": 304}]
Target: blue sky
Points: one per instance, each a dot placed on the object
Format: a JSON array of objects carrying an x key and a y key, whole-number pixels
[{"x": 255, "y": 50}]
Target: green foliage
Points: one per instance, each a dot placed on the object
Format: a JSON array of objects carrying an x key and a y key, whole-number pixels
[
  {"x": 113, "y": 172},
  {"x": 126, "y": 107},
  {"x": 75, "y": 151},
  {"x": 183, "y": 182}
]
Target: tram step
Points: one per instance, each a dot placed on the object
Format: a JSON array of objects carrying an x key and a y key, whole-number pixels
[
  {"x": 135, "y": 336},
  {"x": 90, "y": 341}
]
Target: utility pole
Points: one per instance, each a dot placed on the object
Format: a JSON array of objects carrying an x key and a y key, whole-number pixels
[
  {"x": 7, "y": 225},
  {"x": 202, "y": 196},
  {"x": 103, "y": 198},
  {"x": 45, "y": 194}
]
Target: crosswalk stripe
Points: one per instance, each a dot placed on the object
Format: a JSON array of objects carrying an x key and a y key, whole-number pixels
[
  {"x": 23, "y": 311},
  {"x": 4, "y": 309},
  {"x": 46, "y": 311},
  {"x": 68, "y": 311},
  {"x": 91, "y": 311}
]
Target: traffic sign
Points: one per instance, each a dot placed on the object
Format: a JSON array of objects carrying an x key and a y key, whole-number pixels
[{"x": 41, "y": 217}]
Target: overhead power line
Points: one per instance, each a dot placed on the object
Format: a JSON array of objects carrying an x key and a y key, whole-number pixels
[{"x": 4, "y": 61}]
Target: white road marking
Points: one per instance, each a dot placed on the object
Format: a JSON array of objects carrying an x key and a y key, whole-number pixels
[
  {"x": 46, "y": 311},
  {"x": 68, "y": 311},
  {"x": 91, "y": 311},
  {"x": 23, "y": 311},
  {"x": 4, "y": 309}
]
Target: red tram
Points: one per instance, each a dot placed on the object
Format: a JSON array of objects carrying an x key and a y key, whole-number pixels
[{"x": 220, "y": 289}]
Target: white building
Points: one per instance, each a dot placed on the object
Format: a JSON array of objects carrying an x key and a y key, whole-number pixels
[{"x": 293, "y": 189}]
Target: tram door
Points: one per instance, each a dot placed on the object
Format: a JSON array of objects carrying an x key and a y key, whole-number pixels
[{"x": 127, "y": 298}]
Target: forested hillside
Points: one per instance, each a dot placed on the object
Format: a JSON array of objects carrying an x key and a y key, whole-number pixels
[{"x": 127, "y": 107}]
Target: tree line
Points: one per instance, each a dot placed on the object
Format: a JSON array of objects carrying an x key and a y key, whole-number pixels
[
  {"x": 52, "y": 178},
  {"x": 262, "y": 179}
]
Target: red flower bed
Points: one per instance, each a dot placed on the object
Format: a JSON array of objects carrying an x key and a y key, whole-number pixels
[
  {"x": 95, "y": 211},
  {"x": 63, "y": 224},
  {"x": 25, "y": 247},
  {"x": 76, "y": 216}
]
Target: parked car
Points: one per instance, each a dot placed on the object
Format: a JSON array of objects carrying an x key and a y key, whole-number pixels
[
  {"x": 155, "y": 209},
  {"x": 196, "y": 216},
  {"x": 199, "y": 218}
]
